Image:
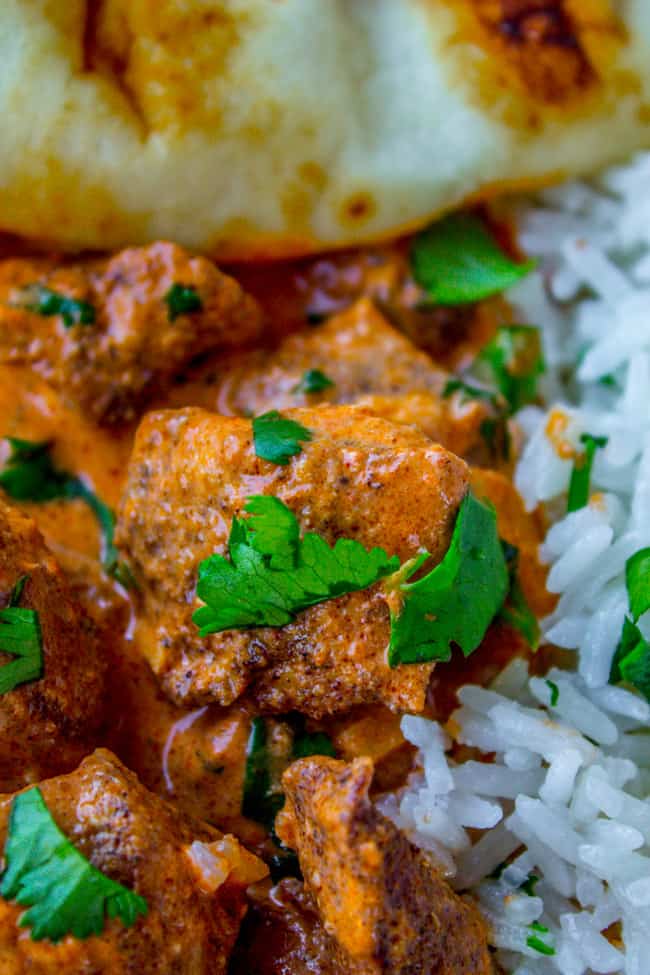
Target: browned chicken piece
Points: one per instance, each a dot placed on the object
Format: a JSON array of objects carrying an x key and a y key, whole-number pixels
[
  {"x": 191, "y": 876},
  {"x": 360, "y": 477},
  {"x": 134, "y": 338},
  {"x": 46, "y": 725},
  {"x": 386, "y": 906},
  {"x": 367, "y": 360},
  {"x": 283, "y": 934}
]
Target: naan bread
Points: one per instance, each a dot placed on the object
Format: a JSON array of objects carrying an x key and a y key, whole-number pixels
[{"x": 259, "y": 128}]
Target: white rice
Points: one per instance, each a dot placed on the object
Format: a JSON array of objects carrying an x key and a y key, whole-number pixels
[{"x": 567, "y": 798}]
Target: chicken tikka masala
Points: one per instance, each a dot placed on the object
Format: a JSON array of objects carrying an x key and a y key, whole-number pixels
[{"x": 249, "y": 518}]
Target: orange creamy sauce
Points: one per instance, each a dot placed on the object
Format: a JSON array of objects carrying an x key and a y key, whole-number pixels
[{"x": 197, "y": 758}]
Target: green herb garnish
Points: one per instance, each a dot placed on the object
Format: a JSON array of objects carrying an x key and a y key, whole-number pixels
[
  {"x": 313, "y": 381},
  {"x": 515, "y": 611},
  {"x": 312, "y": 743},
  {"x": 631, "y": 662},
  {"x": 457, "y": 260},
  {"x": 273, "y": 574},
  {"x": 31, "y": 475},
  {"x": 45, "y": 872},
  {"x": 277, "y": 439},
  {"x": 529, "y": 884},
  {"x": 182, "y": 299},
  {"x": 20, "y": 636},
  {"x": 513, "y": 360},
  {"x": 555, "y": 692},
  {"x": 457, "y": 600},
  {"x": 43, "y": 301},
  {"x": 637, "y": 580},
  {"x": 259, "y": 801},
  {"x": 262, "y": 798},
  {"x": 469, "y": 392},
  {"x": 536, "y": 943},
  {"x": 581, "y": 473}
]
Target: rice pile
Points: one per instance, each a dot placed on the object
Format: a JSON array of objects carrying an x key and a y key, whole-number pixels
[{"x": 566, "y": 802}]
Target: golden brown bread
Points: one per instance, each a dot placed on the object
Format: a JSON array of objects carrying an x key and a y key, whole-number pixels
[{"x": 248, "y": 128}]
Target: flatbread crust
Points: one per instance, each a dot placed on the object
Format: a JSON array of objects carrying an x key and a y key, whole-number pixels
[{"x": 260, "y": 128}]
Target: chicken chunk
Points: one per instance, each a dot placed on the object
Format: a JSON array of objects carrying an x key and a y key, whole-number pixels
[
  {"x": 108, "y": 334},
  {"x": 360, "y": 477},
  {"x": 191, "y": 877},
  {"x": 47, "y": 724},
  {"x": 387, "y": 907},
  {"x": 366, "y": 360}
]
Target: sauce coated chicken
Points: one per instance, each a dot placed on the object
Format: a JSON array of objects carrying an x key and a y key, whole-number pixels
[
  {"x": 216, "y": 734},
  {"x": 385, "y": 905},
  {"x": 191, "y": 877},
  {"x": 359, "y": 477}
]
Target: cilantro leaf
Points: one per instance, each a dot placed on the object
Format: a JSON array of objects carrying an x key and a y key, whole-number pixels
[
  {"x": 20, "y": 636},
  {"x": 457, "y": 600},
  {"x": 266, "y": 759},
  {"x": 529, "y": 884},
  {"x": 581, "y": 473},
  {"x": 514, "y": 361},
  {"x": 31, "y": 475},
  {"x": 637, "y": 580},
  {"x": 313, "y": 381},
  {"x": 515, "y": 611},
  {"x": 312, "y": 743},
  {"x": 555, "y": 692},
  {"x": 43, "y": 301},
  {"x": 260, "y": 801},
  {"x": 631, "y": 662},
  {"x": 273, "y": 575},
  {"x": 45, "y": 872},
  {"x": 182, "y": 299},
  {"x": 276, "y": 438},
  {"x": 469, "y": 391},
  {"x": 456, "y": 260}
]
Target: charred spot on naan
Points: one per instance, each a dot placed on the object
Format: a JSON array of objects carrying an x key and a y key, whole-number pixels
[
  {"x": 159, "y": 54},
  {"x": 548, "y": 55}
]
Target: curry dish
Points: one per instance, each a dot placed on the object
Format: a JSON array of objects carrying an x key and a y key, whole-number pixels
[{"x": 229, "y": 771}]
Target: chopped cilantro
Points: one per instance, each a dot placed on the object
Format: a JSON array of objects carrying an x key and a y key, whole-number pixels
[
  {"x": 537, "y": 944},
  {"x": 182, "y": 299},
  {"x": 312, "y": 743},
  {"x": 631, "y": 662},
  {"x": 43, "y": 301},
  {"x": 457, "y": 260},
  {"x": 262, "y": 797},
  {"x": 581, "y": 473},
  {"x": 260, "y": 801},
  {"x": 277, "y": 439},
  {"x": 514, "y": 361},
  {"x": 637, "y": 580},
  {"x": 273, "y": 574},
  {"x": 515, "y": 611},
  {"x": 555, "y": 692},
  {"x": 31, "y": 475},
  {"x": 469, "y": 391},
  {"x": 20, "y": 636},
  {"x": 313, "y": 381},
  {"x": 529, "y": 884},
  {"x": 457, "y": 600},
  {"x": 45, "y": 872}
]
